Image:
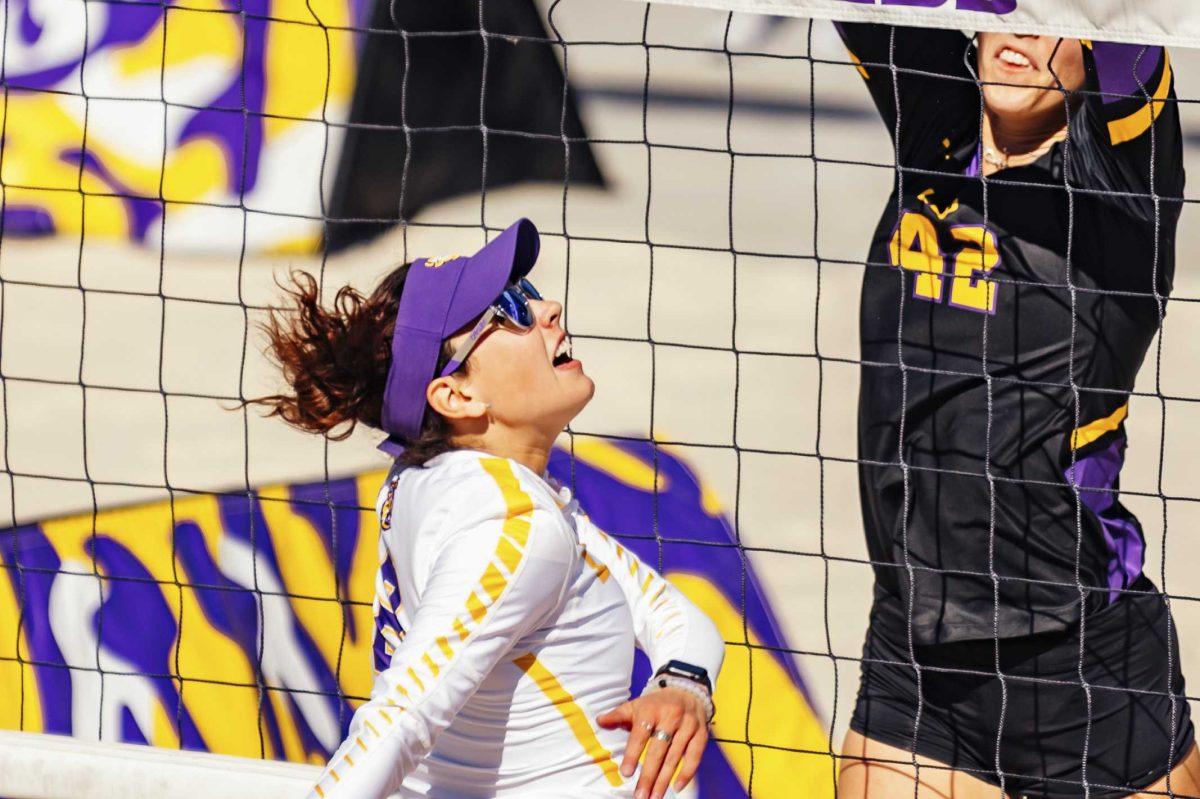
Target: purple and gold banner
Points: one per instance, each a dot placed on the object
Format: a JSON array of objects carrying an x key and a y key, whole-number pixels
[
  {"x": 211, "y": 623},
  {"x": 1164, "y": 22},
  {"x": 116, "y": 110}
]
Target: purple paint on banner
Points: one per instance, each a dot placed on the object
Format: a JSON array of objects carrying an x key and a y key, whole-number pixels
[
  {"x": 142, "y": 210},
  {"x": 234, "y": 118},
  {"x": 332, "y": 509},
  {"x": 29, "y": 28},
  {"x": 131, "y": 733},
  {"x": 715, "y": 778},
  {"x": 1097, "y": 476},
  {"x": 240, "y": 130},
  {"x": 24, "y": 220},
  {"x": 32, "y": 565},
  {"x": 127, "y": 23},
  {"x": 981, "y": 6},
  {"x": 309, "y": 741},
  {"x": 230, "y": 608},
  {"x": 135, "y": 623},
  {"x": 242, "y": 518},
  {"x": 1125, "y": 70},
  {"x": 988, "y": 6}
]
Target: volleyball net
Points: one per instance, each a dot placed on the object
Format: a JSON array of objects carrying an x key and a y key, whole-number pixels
[{"x": 707, "y": 178}]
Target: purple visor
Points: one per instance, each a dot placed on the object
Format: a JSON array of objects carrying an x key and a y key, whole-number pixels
[{"x": 441, "y": 296}]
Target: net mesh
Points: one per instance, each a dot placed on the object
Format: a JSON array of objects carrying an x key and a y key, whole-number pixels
[{"x": 707, "y": 186}]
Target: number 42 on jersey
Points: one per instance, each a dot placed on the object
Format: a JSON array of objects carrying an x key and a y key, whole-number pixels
[{"x": 959, "y": 276}]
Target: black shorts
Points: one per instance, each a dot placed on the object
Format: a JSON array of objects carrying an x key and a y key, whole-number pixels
[{"x": 1030, "y": 733}]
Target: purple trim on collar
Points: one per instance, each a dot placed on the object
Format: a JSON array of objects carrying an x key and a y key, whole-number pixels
[{"x": 973, "y": 167}]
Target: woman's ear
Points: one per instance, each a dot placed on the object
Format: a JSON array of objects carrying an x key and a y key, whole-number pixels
[{"x": 454, "y": 398}]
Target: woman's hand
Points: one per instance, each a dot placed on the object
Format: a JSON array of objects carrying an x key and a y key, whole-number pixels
[{"x": 665, "y": 710}]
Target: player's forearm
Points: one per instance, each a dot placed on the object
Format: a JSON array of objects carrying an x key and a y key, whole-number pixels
[
  {"x": 666, "y": 624},
  {"x": 678, "y": 630}
]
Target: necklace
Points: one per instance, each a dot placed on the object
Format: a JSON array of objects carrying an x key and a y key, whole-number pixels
[{"x": 994, "y": 158}]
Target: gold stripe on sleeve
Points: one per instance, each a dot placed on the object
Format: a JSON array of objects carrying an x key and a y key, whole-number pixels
[{"x": 1128, "y": 128}]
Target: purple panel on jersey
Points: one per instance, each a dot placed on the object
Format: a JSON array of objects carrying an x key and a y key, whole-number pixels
[
  {"x": 386, "y": 616},
  {"x": 1121, "y": 67},
  {"x": 1096, "y": 475}
]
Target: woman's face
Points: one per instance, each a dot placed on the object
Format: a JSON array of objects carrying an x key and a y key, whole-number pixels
[
  {"x": 520, "y": 377},
  {"x": 1019, "y": 73}
]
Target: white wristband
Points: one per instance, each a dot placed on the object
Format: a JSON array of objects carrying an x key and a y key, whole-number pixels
[{"x": 682, "y": 683}]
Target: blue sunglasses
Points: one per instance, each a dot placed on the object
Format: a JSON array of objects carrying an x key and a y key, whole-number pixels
[{"x": 510, "y": 309}]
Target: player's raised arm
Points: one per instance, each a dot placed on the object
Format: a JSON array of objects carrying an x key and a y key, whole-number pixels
[
  {"x": 491, "y": 583},
  {"x": 1131, "y": 140},
  {"x": 919, "y": 73}
]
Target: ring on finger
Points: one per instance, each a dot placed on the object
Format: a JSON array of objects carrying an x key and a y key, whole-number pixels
[
  {"x": 663, "y": 735},
  {"x": 645, "y": 725}
]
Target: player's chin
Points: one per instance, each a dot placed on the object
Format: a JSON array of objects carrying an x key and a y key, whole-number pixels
[
  {"x": 1017, "y": 101},
  {"x": 577, "y": 389}
]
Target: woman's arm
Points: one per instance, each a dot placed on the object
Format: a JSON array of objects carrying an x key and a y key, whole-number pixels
[
  {"x": 921, "y": 75},
  {"x": 1131, "y": 141},
  {"x": 490, "y": 584},
  {"x": 667, "y": 627}
]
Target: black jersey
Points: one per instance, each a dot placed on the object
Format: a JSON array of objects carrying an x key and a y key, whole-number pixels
[{"x": 1003, "y": 322}]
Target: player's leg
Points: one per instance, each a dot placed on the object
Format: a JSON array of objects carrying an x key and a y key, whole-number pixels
[
  {"x": 871, "y": 769},
  {"x": 1184, "y": 782},
  {"x": 1128, "y": 713},
  {"x": 941, "y": 707}
]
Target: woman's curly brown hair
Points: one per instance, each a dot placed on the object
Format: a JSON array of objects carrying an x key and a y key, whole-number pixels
[{"x": 336, "y": 361}]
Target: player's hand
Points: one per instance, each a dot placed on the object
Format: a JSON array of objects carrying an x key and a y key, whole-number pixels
[{"x": 668, "y": 710}]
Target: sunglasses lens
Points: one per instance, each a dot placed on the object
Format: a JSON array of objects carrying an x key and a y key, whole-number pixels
[
  {"x": 515, "y": 307},
  {"x": 528, "y": 289}
]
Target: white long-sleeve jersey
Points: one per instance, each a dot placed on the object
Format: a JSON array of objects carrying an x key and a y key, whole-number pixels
[{"x": 517, "y": 628}]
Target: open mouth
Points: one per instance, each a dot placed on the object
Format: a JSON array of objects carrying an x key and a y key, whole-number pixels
[
  {"x": 1014, "y": 59},
  {"x": 562, "y": 355}
]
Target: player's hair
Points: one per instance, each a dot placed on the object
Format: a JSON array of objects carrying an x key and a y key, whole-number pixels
[{"x": 336, "y": 361}]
